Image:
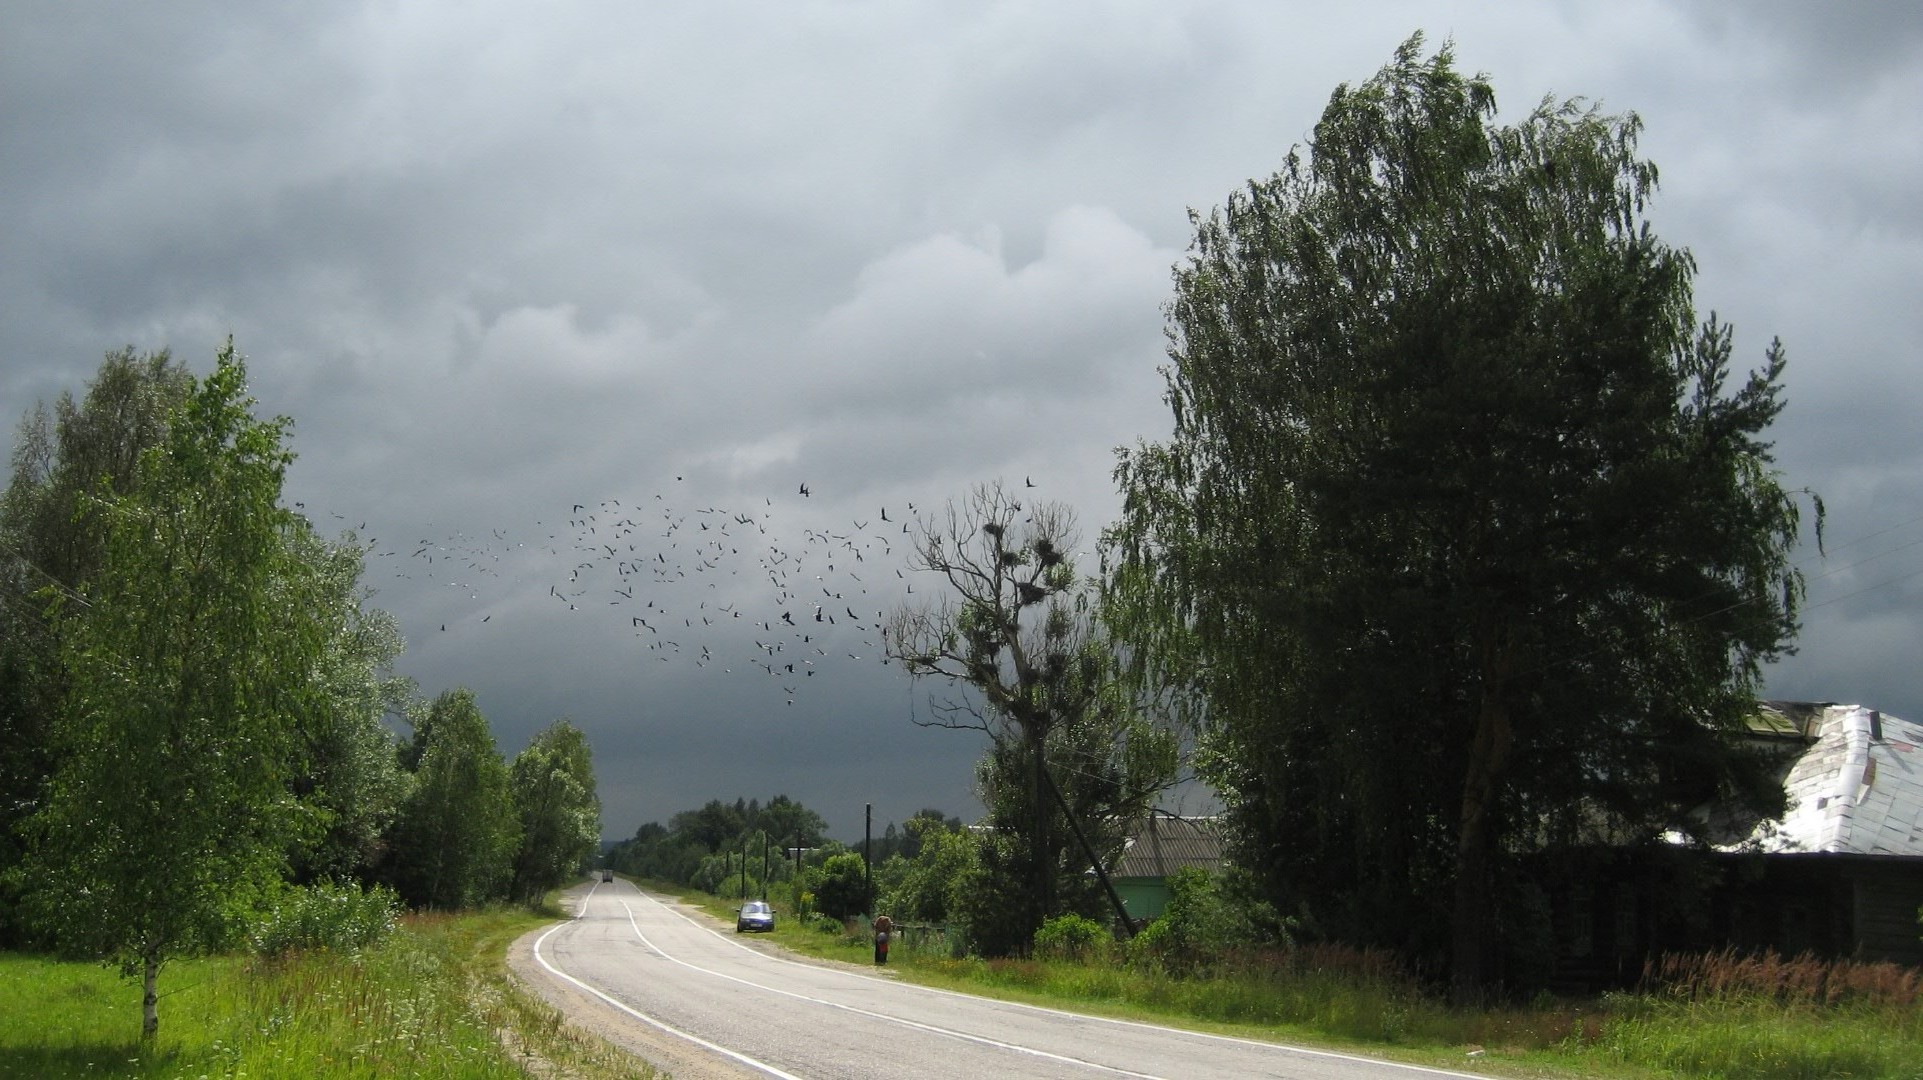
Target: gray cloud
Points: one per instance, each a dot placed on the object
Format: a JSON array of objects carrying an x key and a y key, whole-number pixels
[{"x": 497, "y": 262}]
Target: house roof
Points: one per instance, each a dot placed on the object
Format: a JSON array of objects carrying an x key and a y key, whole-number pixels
[
  {"x": 1856, "y": 789},
  {"x": 1160, "y": 845}
]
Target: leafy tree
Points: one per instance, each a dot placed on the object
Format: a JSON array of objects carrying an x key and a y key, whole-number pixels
[
  {"x": 788, "y": 823},
  {"x": 63, "y": 458},
  {"x": 1464, "y": 541},
  {"x": 188, "y": 665},
  {"x": 349, "y": 776},
  {"x": 553, "y": 785},
  {"x": 452, "y": 845},
  {"x": 1019, "y": 631},
  {"x": 925, "y": 822},
  {"x": 842, "y": 892},
  {"x": 928, "y": 889},
  {"x": 656, "y": 853},
  {"x": 714, "y": 826}
]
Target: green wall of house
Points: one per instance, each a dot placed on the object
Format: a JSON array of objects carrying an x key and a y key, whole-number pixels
[{"x": 1143, "y": 897}]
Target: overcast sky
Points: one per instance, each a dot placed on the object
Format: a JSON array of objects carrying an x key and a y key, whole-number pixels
[{"x": 497, "y": 260}]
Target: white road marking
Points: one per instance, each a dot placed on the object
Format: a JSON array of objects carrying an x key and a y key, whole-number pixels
[
  {"x": 1425, "y": 1070},
  {"x": 644, "y": 1017},
  {"x": 917, "y": 1025}
]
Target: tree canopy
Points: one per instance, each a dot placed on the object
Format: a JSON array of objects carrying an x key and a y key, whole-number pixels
[
  {"x": 1466, "y": 541},
  {"x": 1071, "y": 755},
  {"x": 456, "y": 834},
  {"x": 64, "y": 457},
  {"x": 552, "y": 781},
  {"x": 188, "y": 666}
]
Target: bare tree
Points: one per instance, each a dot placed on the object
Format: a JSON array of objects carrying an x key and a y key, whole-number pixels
[{"x": 1016, "y": 633}]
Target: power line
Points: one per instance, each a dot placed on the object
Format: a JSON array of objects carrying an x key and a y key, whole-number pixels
[{"x": 62, "y": 587}]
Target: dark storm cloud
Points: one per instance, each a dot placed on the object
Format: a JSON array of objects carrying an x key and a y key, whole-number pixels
[{"x": 496, "y": 262}]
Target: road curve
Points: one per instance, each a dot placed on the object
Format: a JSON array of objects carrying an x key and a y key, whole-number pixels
[{"x": 740, "y": 1008}]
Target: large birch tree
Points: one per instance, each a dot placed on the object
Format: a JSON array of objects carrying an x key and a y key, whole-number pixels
[{"x": 188, "y": 664}]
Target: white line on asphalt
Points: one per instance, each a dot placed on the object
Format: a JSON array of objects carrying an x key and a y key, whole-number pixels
[
  {"x": 1287, "y": 1048},
  {"x": 644, "y": 1017},
  {"x": 917, "y": 1025}
]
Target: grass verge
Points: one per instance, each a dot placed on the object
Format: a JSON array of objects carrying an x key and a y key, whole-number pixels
[
  {"x": 1715, "y": 1017},
  {"x": 433, "y": 1000}
]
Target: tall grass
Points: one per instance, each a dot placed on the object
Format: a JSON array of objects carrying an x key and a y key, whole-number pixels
[
  {"x": 1720, "y": 1016},
  {"x": 1767, "y": 1016},
  {"x": 430, "y": 1001}
]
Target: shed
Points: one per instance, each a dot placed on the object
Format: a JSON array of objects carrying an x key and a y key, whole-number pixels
[{"x": 1156, "y": 847}]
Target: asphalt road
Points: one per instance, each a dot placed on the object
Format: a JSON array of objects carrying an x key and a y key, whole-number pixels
[{"x": 746, "y": 1008}]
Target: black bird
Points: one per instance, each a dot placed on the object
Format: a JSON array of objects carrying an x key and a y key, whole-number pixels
[{"x": 1028, "y": 481}]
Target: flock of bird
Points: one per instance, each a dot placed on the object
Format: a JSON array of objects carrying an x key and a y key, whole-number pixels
[{"x": 717, "y": 587}]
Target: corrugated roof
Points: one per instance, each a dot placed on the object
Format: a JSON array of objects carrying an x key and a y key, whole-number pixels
[
  {"x": 1159, "y": 846},
  {"x": 1857, "y": 789}
]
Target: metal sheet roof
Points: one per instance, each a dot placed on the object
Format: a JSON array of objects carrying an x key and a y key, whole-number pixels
[
  {"x": 1857, "y": 789},
  {"x": 1159, "y": 846}
]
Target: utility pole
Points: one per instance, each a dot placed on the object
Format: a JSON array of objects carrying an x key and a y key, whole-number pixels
[{"x": 867, "y": 864}]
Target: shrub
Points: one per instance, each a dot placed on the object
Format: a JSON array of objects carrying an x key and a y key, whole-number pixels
[
  {"x": 344, "y": 918},
  {"x": 1072, "y": 937},
  {"x": 1199, "y": 926},
  {"x": 843, "y": 889}
]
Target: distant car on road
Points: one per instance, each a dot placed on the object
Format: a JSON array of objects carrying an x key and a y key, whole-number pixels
[
  {"x": 607, "y": 875},
  {"x": 755, "y": 915}
]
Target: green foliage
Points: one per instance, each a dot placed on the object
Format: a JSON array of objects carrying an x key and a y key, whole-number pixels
[
  {"x": 1022, "y": 637},
  {"x": 722, "y": 874},
  {"x": 560, "y": 816},
  {"x": 63, "y": 458},
  {"x": 454, "y": 840},
  {"x": 1847, "y": 1020},
  {"x": 1072, "y": 937},
  {"x": 842, "y": 892},
  {"x": 1464, "y": 543},
  {"x": 324, "y": 915},
  {"x": 993, "y": 902},
  {"x": 1200, "y": 926},
  {"x": 679, "y": 851},
  {"x": 348, "y": 771},
  {"x": 431, "y": 1000},
  {"x": 190, "y": 664},
  {"x": 930, "y": 885}
]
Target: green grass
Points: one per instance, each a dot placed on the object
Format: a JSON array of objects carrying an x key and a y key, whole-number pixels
[
  {"x": 1722, "y": 1017},
  {"x": 432, "y": 1001}
]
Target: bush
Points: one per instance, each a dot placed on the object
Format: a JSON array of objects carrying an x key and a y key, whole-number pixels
[
  {"x": 344, "y": 918},
  {"x": 1197, "y": 929},
  {"x": 843, "y": 889},
  {"x": 1072, "y": 937}
]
